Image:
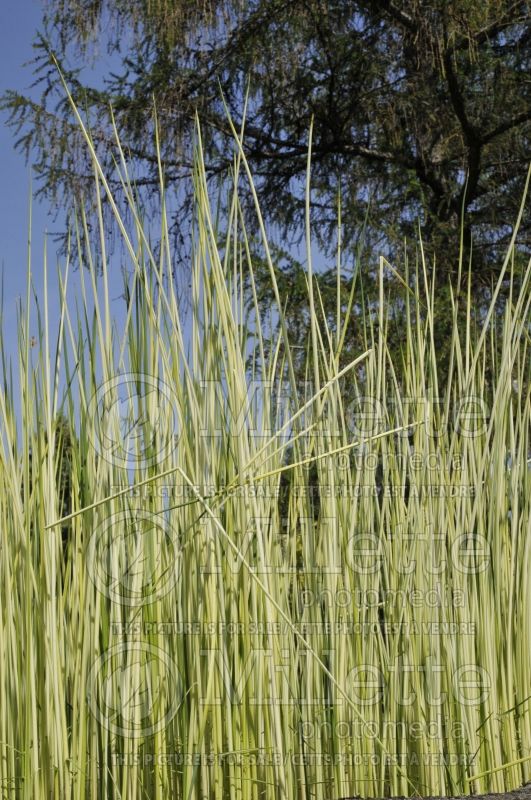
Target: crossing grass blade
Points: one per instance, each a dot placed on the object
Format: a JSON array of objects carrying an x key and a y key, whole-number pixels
[{"x": 224, "y": 578}]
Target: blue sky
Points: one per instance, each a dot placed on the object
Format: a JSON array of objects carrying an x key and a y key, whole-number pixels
[
  {"x": 19, "y": 19},
  {"x": 19, "y": 22}
]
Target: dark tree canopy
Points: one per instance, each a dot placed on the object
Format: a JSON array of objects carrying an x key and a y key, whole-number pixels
[{"x": 421, "y": 109}]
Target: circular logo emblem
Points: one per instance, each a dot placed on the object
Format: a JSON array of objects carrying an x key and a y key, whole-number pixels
[
  {"x": 134, "y": 558},
  {"x": 135, "y": 420},
  {"x": 134, "y": 690}
]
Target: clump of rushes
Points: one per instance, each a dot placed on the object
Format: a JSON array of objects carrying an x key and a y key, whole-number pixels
[{"x": 275, "y": 587}]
